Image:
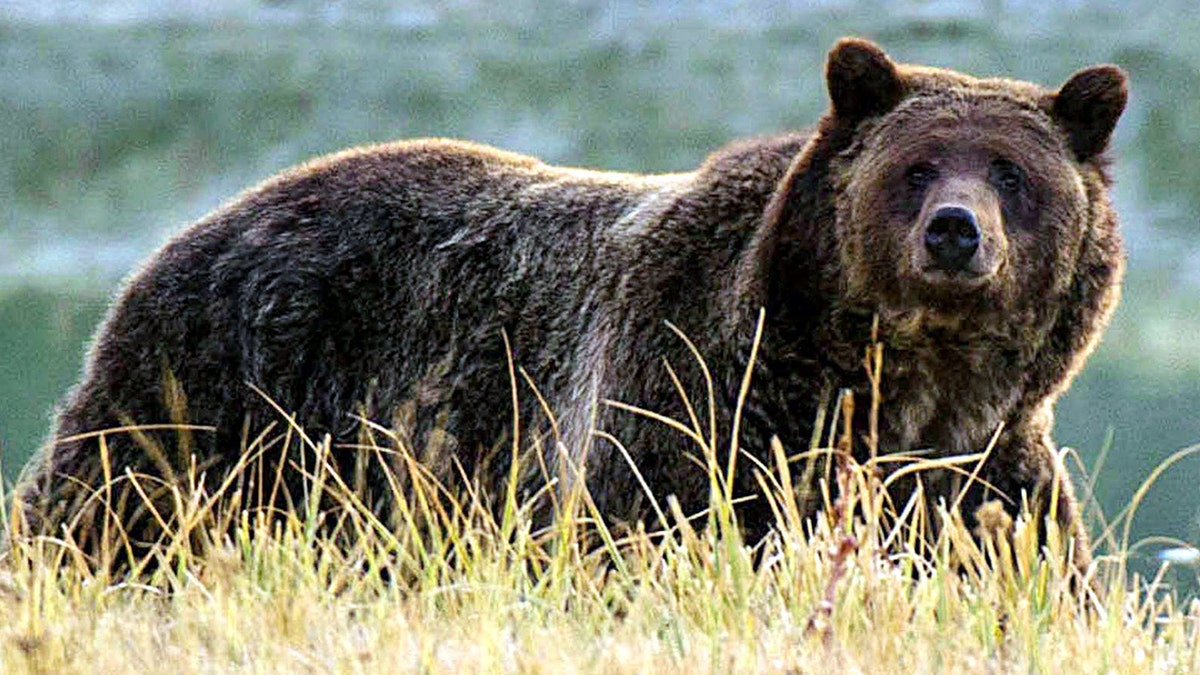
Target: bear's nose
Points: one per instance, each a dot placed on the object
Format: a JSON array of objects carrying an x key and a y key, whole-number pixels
[{"x": 952, "y": 237}]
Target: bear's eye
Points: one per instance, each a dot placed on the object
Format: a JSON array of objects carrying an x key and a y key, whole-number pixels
[
  {"x": 1007, "y": 177},
  {"x": 919, "y": 176}
]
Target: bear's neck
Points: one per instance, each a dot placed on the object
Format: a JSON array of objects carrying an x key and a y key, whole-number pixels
[
  {"x": 943, "y": 385},
  {"x": 939, "y": 390}
]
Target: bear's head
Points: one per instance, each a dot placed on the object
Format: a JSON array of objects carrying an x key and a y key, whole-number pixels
[{"x": 962, "y": 197}]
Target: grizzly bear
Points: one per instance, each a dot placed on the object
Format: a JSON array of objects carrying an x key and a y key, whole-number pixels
[{"x": 480, "y": 301}]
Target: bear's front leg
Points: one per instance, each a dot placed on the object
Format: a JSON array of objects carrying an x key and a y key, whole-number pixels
[{"x": 1025, "y": 468}]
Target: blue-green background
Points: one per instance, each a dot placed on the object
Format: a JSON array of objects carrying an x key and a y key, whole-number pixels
[{"x": 122, "y": 121}]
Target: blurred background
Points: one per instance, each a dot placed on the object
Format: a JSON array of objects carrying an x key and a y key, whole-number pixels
[{"x": 122, "y": 121}]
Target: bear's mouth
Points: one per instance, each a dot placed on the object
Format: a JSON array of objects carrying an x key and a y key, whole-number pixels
[
  {"x": 964, "y": 279},
  {"x": 965, "y": 292}
]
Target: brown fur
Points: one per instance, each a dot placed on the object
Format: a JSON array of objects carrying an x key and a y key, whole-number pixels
[{"x": 384, "y": 280}]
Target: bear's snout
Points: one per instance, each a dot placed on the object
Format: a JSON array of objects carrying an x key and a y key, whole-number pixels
[
  {"x": 958, "y": 238},
  {"x": 952, "y": 238}
]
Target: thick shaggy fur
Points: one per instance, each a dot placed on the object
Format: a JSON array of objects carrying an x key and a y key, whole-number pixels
[{"x": 384, "y": 282}]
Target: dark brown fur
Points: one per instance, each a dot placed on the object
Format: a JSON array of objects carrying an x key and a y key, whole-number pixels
[{"x": 384, "y": 281}]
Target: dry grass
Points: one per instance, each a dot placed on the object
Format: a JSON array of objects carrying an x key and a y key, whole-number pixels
[
  {"x": 450, "y": 586},
  {"x": 854, "y": 590}
]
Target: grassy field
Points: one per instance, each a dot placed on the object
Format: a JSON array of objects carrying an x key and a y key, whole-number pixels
[
  {"x": 851, "y": 596},
  {"x": 121, "y": 126},
  {"x": 454, "y": 585}
]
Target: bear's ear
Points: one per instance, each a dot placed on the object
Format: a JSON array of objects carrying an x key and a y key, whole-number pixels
[
  {"x": 1088, "y": 106},
  {"x": 862, "y": 80}
]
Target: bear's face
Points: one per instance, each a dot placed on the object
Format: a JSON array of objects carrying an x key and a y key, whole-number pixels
[
  {"x": 961, "y": 197},
  {"x": 951, "y": 201}
]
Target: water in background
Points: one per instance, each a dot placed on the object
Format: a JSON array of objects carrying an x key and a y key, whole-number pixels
[{"x": 120, "y": 126}]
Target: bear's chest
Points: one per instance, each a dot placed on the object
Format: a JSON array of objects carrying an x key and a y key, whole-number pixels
[{"x": 951, "y": 399}]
